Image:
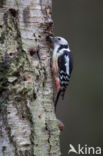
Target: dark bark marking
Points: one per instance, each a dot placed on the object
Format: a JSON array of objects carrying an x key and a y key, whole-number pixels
[
  {"x": 49, "y": 136},
  {"x": 3, "y": 148},
  {"x": 26, "y": 14},
  {"x": 13, "y": 12},
  {"x": 48, "y": 11},
  {"x": 2, "y": 37},
  {"x": 2, "y": 2},
  {"x": 34, "y": 52},
  {"x": 34, "y": 95}
]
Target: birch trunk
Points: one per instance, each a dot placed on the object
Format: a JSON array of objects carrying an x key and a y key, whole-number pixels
[{"x": 28, "y": 124}]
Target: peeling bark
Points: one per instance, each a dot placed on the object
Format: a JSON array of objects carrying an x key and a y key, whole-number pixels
[{"x": 28, "y": 124}]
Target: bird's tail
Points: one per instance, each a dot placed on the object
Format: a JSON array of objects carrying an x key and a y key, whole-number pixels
[
  {"x": 61, "y": 92},
  {"x": 62, "y": 95},
  {"x": 56, "y": 100}
]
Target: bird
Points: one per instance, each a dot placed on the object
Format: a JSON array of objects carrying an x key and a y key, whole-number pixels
[{"x": 62, "y": 65}]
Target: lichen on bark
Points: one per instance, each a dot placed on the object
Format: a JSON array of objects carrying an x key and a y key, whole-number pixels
[{"x": 28, "y": 123}]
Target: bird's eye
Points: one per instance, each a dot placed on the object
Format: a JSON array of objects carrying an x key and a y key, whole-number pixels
[{"x": 59, "y": 39}]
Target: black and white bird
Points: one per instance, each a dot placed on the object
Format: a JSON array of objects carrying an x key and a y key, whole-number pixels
[{"x": 62, "y": 65}]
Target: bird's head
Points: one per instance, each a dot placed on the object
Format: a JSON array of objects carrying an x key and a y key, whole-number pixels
[{"x": 58, "y": 41}]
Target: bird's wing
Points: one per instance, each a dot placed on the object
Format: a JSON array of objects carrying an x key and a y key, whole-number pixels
[
  {"x": 71, "y": 62},
  {"x": 64, "y": 75},
  {"x": 64, "y": 68}
]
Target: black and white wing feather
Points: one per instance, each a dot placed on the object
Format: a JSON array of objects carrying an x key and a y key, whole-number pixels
[{"x": 65, "y": 62}]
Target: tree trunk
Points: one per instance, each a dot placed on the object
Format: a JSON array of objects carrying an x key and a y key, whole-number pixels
[{"x": 28, "y": 124}]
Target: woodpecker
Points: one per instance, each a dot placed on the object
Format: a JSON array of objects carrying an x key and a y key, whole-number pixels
[{"x": 62, "y": 65}]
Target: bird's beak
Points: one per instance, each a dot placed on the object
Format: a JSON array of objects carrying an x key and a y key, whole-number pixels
[{"x": 51, "y": 38}]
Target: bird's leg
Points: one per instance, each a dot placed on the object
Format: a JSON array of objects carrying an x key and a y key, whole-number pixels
[{"x": 60, "y": 124}]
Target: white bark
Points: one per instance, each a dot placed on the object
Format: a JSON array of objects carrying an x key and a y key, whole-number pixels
[{"x": 28, "y": 125}]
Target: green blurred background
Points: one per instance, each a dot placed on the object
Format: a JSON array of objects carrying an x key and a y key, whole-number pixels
[{"x": 81, "y": 22}]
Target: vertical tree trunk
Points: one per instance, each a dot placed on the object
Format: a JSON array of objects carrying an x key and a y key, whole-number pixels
[{"x": 28, "y": 125}]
